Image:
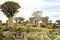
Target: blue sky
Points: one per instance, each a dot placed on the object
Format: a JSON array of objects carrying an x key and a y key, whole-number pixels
[
  {"x": 50, "y": 8},
  {"x": 52, "y": 0}
]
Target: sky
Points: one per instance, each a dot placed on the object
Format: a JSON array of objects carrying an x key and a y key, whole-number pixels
[{"x": 50, "y": 8}]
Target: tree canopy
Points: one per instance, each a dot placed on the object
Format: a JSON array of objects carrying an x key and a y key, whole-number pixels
[{"x": 10, "y": 8}]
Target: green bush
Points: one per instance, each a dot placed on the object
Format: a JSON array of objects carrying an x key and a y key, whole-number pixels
[{"x": 30, "y": 33}]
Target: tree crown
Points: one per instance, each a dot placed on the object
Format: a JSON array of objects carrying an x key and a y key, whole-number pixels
[{"x": 10, "y": 8}]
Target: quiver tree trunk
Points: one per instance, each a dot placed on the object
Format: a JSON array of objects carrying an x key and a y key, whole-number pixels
[
  {"x": 10, "y": 21},
  {"x": 37, "y": 23},
  {"x": 44, "y": 23}
]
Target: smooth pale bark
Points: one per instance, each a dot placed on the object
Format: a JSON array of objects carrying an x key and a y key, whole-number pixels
[
  {"x": 10, "y": 21},
  {"x": 38, "y": 24},
  {"x": 31, "y": 24},
  {"x": 44, "y": 23}
]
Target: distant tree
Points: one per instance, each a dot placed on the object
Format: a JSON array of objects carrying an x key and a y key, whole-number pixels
[
  {"x": 50, "y": 21},
  {"x": 16, "y": 19},
  {"x": 32, "y": 19},
  {"x": 0, "y": 24},
  {"x": 37, "y": 15},
  {"x": 9, "y": 8},
  {"x": 58, "y": 21},
  {"x": 6, "y": 23},
  {"x": 45, "y": 20},
  {"x": 21, "y": 19},
  {"x": 27, "y": 21}
]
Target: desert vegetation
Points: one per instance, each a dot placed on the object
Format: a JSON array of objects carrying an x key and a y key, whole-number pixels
[{"x": 30, "y": 29}]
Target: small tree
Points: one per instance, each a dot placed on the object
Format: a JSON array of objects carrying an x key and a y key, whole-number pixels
[
  {"x": 50, "y": 21},
  {"x": 0, "y": 23},
  {"x": 32, "y": 20},
  {"x": 16, "y": 19},
  {"x": 21, "y": 19},
  {"x": 58, "y": 21},
  {"x": 37, "y": 15},
  {"x": 45, "y": 20},
  {"x": 9, "y": 9}
]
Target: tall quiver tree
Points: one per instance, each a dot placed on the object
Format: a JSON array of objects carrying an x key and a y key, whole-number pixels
[
  {"x": 9, "y": 9},
  {"x": 37, "y": 15}
]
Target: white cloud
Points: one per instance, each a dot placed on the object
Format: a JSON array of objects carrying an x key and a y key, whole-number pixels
[{"x": 53, "y": 15}]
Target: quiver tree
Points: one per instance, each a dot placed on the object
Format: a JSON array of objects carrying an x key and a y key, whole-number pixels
[
  {"x": 45, "y": 20},
  {"x": 37, "y": 15},
  {"x": 9, "y": 9},
  {"x": 16, "y": 19},
  {"x": 50, "y": 22},
  {"x": 0, "y": 24},
  {"x": 58, "y": 22},
  {"x": 32, "y": 20},
  {"x": 27, "y": 22},
  {"x": 21, "y": 20}
]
